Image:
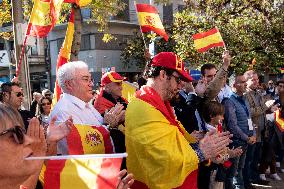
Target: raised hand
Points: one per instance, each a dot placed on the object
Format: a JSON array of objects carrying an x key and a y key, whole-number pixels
[
  {"x": 214, "y": 144},
  {"x": 201, "y": 87},
  {"x": 36, "y": 132},
  {"x": 226, "y": 59},
  {"x": 126, "y": 182},
  {"x": 56, "y": 133},
  {"x": 198, "y": 135}
]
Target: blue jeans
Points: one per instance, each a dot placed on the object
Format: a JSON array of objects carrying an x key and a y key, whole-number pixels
[{"x": 234, "y": 178}]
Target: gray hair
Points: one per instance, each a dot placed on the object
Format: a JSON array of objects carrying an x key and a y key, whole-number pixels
[{"x": 67, "y": 72}]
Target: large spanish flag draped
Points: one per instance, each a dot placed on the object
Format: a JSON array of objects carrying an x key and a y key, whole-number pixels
[
  {"x": 206, "y": 40},
  {"x": 158, "y": 147},
  {"x": 64, "y": 54},
  {"x": 82, "y": 171},
  {"x": 279, "y": 120},
  {"x": 128, "y": 90},
  {"x": 44, "y": 16},
  {"x": 149, "y": 20}
]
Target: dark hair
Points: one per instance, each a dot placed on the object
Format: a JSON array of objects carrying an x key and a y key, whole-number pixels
[
  {"x": 207, "y": 67},
  {"x": 39, "y": 105},
  {"x": 280, "y": 81},
  {"x": 154, "y": 71},
  {"x": 141, "y": 81},
  {"x": 212, "y": 109},
  {"x": 7, "y": 88}
]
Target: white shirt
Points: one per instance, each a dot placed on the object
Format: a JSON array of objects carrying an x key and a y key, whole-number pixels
[
  {"x": 225, "y": 92},
  {"x": 210, "y": 127},
  {"x": 81, "y": 112}
]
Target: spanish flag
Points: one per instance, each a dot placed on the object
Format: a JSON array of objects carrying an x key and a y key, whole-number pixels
[
  {"x": 279, "y": 120},
  {"x": 207, "y": 40},
  {"x": 80, "y": 3},
  {"x": 282, "y": 70},
  {"x": 43, "y": 17},
  {"x": 128, "y": 90},
  {"x": 64, "y": 54},
  {"x": 149, "y": 20}
]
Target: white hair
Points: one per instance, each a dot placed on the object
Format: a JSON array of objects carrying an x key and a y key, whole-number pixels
[{"x": 67, "y": 72}]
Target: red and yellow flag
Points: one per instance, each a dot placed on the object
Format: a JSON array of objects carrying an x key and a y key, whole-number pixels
[
  {"x": 64, "y": 54},
  {"x": 83, "y": 172},
  {"x": 149, "y": 20},
  {"x": 282, "y": 70},
  {"x": 43, "y": 17},
  {"x": 80, "y": 3},
  {"x": 207, "y": 40},
  {"x": 279, "y": 121}
]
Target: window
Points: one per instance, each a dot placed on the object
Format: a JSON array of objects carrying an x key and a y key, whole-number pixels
[
  {"x": 85, "y": 42},
  {"x": 86, "y": 13},
  {"x": 59, "y": 43},
  {"x": 1, "y": 44},
  {"x": 34, "y": 50}
]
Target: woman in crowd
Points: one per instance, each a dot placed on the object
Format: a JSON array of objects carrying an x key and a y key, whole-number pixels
[{"x": 43, "y": 111}]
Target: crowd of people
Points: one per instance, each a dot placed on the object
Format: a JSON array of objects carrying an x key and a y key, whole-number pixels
[{"x": 177, "y": 132}]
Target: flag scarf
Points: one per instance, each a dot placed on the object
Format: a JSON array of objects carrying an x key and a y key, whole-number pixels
[
  {"x": 149, "y": 20},
  {"x": 64, "y": 54},
  {"x": 279, "y": 120},
  {"x": 44, "y": 16},
  {"x": 159, "y": 154},
  {"x": 207, "y": 40},
  {"x": 128, "y": 90},
  {"x": 82, "y": 173}
]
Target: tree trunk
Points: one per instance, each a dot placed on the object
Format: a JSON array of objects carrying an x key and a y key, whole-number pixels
[{"x": 75, "y": 49}]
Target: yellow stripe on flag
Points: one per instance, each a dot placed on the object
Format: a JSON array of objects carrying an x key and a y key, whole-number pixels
[
  {"x": 87, "y": 169},
  {"x": 152, "y": 19},
  {"x": 128, "y": 90},
  {"x": 206, "y": 41},
  {"x": 67, "y": 44},
  {"x": 41, "y": 14}
]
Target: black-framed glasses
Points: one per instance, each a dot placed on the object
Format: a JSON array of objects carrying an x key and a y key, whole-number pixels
[
  {"x": 178, "y": 79},
  {"x": 18, "y": 133}
]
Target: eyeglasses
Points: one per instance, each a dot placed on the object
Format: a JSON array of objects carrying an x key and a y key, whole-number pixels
[
  {"x": 88, "y": 79},
  {"x": 44, "y": 104},
  {"x": 18, "y": 94},
  {"x": 18, "y": 133},
  {"x": 178, "y": 79}
]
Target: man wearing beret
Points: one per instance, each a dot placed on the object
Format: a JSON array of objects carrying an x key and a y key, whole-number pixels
[{"x": 161, "y": 153}]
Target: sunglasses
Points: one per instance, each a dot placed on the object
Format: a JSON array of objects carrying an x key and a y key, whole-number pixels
[
  {"x": 44, "y": 104},
  {"x": 18, "y": 133},
  {"x": 18, "y": 94}
]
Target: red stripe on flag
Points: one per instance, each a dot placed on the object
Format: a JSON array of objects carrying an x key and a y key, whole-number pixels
[
  {"x": 107, "y": 178},
  {"x": 107, "y": 141},
  {"x": 52, "y": 174},
  {"x": 220, "y": 44},
  {"x": 205, "y": 34},
  {"x": 190, "y": 182},
  {"x": 146, "y": 8},
  {"x": 74, "y": 142},
  {"x": 148, "y": 28}
]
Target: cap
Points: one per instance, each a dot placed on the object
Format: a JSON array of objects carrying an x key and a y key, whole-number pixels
[
  {"x": 111, "y": 77},
  {"x": 172, "y": 61}
]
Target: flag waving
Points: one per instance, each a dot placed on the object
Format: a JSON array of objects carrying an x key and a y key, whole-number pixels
[
  {"x": 43, "y": 17},
  {"x": 149, "y": 20},
  {"x": 207, "y": 40},
  {"x": 64, "y": 54}
]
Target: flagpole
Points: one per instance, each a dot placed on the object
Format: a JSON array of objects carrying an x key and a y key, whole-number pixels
[
  {"x": 225, "y": 48},
  {"x": 144, "y": 41},
  {"x": 88, "y": 156}
]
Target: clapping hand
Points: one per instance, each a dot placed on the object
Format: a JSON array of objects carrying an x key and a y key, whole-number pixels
[
  {"x": 115, "y": 115},
  {"x": 126, "y": 182},
  {"x": 56, "y": 133}
]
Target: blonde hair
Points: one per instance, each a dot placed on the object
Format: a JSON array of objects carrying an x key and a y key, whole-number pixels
[{"x": 9, "y": 115}]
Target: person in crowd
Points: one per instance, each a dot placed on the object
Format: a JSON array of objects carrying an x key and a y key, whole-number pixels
[
  {"x": 36, "y": 97},
  {"x": 110, "y": 95},
  {"x": 213, "y": 115},
  {"x": 258, "y": 111},
  {"x": 161, "y": 154},
  {"x": 76, "y": 83},
  {"x": 238, "y": 122},
  {"x": 43, "y": 111},
  {"x": 12, "y": 95},
  {"x": 271, "y": 88},
  {"x": 46, "y": 93}
]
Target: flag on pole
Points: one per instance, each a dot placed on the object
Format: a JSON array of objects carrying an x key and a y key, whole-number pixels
[
  {"x": 282, "y": 70},
  {"x": 149, "y": 20},
  {"x": 94, "y": 171},
  {"x": 64, "y": 54},
  {"x": 207, "y": 40},
  {"x": 80, "y": 3},
  {"x": 44, "y": 16}
]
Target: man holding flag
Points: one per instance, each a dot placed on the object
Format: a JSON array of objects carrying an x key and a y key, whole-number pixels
[{"x": 161, "y": 153}]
